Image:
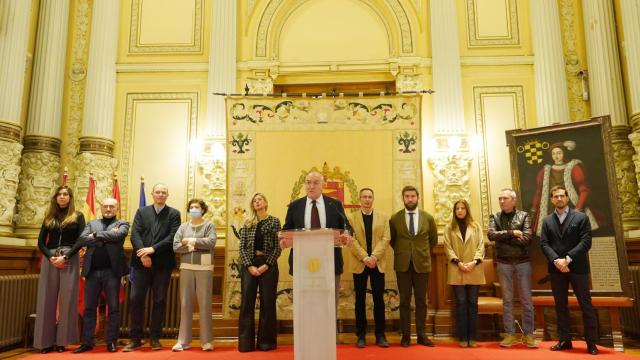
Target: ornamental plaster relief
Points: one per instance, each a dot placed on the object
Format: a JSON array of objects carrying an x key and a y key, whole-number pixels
[
  {"x": 39, "y": 177},
  {"x": 451, "y": 175},
  {"x": 10, "y": 164},
  {"x": 623, "y": 155},
  {"x": 102, "y": 168}
]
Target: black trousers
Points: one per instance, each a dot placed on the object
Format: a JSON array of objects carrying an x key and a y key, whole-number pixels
[
  {"x": 95, "y": 282},
  {"x": 377, "y": 292},
  {"x": 267, "y": 284},
  {"x": 560, "y": 288},
  {"x": 158, "y": 280},
  {"x": 466, "y": 311},
  {"x": 413, "y": 283}
]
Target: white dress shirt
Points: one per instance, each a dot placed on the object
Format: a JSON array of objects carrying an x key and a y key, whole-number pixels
[
  {"x": 416, "y": 219},
  {"x": 321, "y": 211}
]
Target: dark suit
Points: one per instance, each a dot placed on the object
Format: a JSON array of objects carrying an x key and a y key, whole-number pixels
[
  {"x": 572, "y": 238},
  {"x": 335, "y": 219},
  {"x": 157, "y": 231},
  {"x": 99, "y": 236},
  {"x": 412, "y": 263}
]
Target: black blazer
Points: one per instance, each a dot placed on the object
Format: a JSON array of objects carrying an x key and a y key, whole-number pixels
[
  {"x": 336, "y": 219},
  {"x": 574, "y": 240},
  {"x": 156, "y": 231},
  {"x": 112, "y": 240}
]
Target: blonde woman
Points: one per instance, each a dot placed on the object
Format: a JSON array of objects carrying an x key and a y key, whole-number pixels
[
  {"x": 464, "y": 246},
  {"x": 194, "y": 241},
  {"x": 259, "y": 252},
  {"x": 59, "y": 275}
]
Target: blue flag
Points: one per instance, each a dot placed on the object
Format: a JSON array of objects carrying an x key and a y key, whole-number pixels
[{"x": 142, "y": 203}]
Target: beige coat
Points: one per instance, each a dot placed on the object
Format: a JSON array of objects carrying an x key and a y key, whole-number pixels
[
  {"x": 465, "y": 251},
  {"x": 379, "y": 241}
]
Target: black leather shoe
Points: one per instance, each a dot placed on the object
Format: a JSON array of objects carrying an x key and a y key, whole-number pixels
[
  {"x": 46, "y": 350},
  {"x": 155, "y": 344},
  {"x": 562, "y": 345},
  {"x": 60, "y": 349},
  {"x": 83, "y": 348},
  {"x": 132, "y": 346},
  {"x": 266, "y": 347},
  {"x": 381, "y": 341},
  {"x": 111, "y": 347},
  {"x": 405, "y": 341},
  {"x": 423, "y": 340},
  {"x": 592, "y": 348},
  {"x": 361, "y": 343}
]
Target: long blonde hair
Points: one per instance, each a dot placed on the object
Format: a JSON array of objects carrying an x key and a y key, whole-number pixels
[
  {"x": 254, "y": 215},
  {"x": 468, "y": 219},
  {"x": 53, "y": 218}
]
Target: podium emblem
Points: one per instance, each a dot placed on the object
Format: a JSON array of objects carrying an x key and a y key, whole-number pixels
[{"x": 313, "y": 264}]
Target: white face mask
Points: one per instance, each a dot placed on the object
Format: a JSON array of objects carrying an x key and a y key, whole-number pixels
[{"x": 195, "y": 213}]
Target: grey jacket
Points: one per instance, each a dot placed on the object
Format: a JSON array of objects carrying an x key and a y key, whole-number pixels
[{"x": 205, "y": 241}]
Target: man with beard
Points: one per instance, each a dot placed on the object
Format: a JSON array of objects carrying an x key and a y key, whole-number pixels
[{"x": 413, "y": 235}]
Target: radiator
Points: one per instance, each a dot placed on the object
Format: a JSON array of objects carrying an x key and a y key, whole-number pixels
[
  {"x": 631, "y": 316},
  {"x": 18, "y": 295},
  {"x": 171, "y": 324}
]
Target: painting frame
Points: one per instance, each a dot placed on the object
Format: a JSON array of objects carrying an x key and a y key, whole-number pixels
[{"x": 530, "y": 148}]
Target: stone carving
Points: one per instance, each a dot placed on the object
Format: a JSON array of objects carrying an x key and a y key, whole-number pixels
[
  {"x": 9, "y": 173},
  {"x": 578, "y": 108},
  {"x": 451, "y": 173},
  {"x": 40, "y": 175},
  {"x": 626, "y": 177},
  {"x": 408, "y": 82},
  {"x": 214, "y": 190},
  {"x": 260, "y": 85},
  {"x": 635, "y": 142},
  {"x": 102, "y": 168}
]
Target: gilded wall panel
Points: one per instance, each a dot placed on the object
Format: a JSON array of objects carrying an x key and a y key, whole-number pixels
[
  {"x": 492, "y": 23},
  {"x": 497, "y": 109},
  {"x": 166, "y": 26},
  {"x": 158, "y": 131}
]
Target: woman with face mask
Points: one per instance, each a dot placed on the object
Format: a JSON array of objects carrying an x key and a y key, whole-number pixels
[{"x": 194, "y": 241}]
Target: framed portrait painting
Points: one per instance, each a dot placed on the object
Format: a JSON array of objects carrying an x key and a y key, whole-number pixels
[{"x": 577, "y": 155}]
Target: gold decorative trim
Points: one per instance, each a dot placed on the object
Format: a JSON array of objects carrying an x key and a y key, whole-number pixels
[
  {"x": 127, "y": 142},
  {"x": 136, "y": 47},
  {"x": 483, "y": 162},
  {"x": 10, "y": 132},
  {"x": 34, "y": 143},
  {"x": 96, "y": 145},
  {"x": 512, "y": 39},
  {"x": 634, "y": 121},
  {"x": 400, "y": 15},
  {"x": 578, "y": 107}
]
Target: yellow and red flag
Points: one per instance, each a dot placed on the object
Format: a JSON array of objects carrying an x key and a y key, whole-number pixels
[
  {"x": 89, "y": 209},
  {"x": 116, "y": 194}
]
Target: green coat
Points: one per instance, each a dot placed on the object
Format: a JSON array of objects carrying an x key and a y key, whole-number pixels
[{"x": 413, "y": 248}]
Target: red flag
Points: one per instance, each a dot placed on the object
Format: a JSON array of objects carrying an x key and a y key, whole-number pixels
[
  {"x": 116, "y": 194},
  {"x": 65, "y": 175},
  {"x": 89, "y": 211}
]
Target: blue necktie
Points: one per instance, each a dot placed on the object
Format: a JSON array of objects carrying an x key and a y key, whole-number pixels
[{"x": 412, "y": 227}]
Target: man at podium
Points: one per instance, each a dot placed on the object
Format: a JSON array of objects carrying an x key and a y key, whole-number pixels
[{"x": 317, "y": 211}]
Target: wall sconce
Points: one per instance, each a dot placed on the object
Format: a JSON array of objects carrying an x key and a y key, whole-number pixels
[{"x": 584, "y": 77}]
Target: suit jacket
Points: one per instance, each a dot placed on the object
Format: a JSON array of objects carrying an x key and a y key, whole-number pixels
[
  {"x": 156, "y": 231},
  {"x": 574, "y": 240},
  {"x": 112, "y": 240},
  {"x": 336, "y": 219},
  {"x": 379, "y": 241},
  {"x": 467, "y": 250},
  {"x": 416, "y": 249}
]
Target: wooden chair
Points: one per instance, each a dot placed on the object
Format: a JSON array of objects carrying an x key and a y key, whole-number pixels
[{"x": 490, "y": 299}]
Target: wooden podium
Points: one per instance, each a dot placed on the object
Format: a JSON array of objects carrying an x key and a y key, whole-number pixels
[{"x": 314, "y": 308}]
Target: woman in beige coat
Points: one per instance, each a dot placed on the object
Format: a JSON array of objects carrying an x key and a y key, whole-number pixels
[{"x": 464, "y": 245}]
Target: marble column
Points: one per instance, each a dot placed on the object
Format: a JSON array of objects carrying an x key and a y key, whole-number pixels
[
  {"x": 41, "y": 154},
  {"x": 552, "y": 100},
  {"x": 450, "y": 153},
  {"x": 96, "y": 143},
  {"x": 222, "y": 79},
  {"x": 631, "y": 28},
  {"x": 14, "y": 32},
  {"x": 607, "y": 98}
]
